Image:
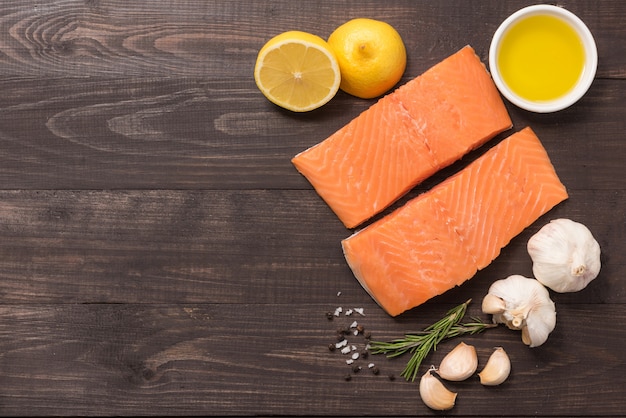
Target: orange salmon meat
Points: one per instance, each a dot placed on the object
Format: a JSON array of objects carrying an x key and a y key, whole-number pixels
[
  {"x": 441, "y": 238},
  {"x": 424, "y": 125}
]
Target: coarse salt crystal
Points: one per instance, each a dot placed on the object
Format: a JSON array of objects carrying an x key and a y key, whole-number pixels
[
  {"x": 355, "y": 332},
  {"x": 359, "y": 311},
  {"x": 341, "y": 343},
  {"x": 338, "y": 311},
  {"x": 338, "y": 293},
  {"x": 348, "y": 312},
  {"x": 370, "y": 365},
  {"x": 349, "y": 361},
  {"x": 354, "y": 348},
  {"x": 345, "y": 350},
  {"x": 354, "y": 324},
  {"x": 355, "y": 356}
]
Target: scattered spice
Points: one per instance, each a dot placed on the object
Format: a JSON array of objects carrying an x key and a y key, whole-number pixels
[
  {"x": 356, "y": 350},
  {"x": 329, "y": 316}
]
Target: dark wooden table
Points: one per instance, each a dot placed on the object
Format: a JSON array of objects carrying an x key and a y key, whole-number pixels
[{"x": 159, "y": 254}]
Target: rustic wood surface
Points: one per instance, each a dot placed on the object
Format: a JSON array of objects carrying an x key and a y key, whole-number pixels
[{"x": 159, "y": 254}]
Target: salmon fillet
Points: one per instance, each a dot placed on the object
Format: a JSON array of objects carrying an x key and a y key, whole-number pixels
[
  {"x": 405, "y": 137},
  {"x": 444, "y": 236}
]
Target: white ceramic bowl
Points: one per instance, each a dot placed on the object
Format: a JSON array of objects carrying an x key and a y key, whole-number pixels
[{"x": 589, "y": 71}]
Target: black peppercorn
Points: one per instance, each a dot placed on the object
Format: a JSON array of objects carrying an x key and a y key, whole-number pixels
[
  {"x": 367, "y": 335},
  {"x": 331, "y": 347},
  {"x": 375, "y": 370},
  {"x": 392, "y": 377},
  {"x": 329, "y": 316},
  {"x": 347, "y": 377},
  {"x": 356, "y": 368}
]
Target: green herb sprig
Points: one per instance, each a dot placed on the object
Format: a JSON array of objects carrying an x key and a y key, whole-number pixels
[{"x": 422, "y": 343}]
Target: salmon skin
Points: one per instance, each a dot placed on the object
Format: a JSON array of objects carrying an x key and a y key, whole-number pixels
[
  {"x": 441, "y": 238},
  {"x": 405, "y": 137}
]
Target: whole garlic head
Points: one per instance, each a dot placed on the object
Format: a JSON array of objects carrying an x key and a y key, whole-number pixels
[
  {"x": 527, "y": 307},
  {"x": 565, "y": 255}
]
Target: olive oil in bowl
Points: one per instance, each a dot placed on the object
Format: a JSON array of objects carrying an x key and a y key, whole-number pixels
[{"x": 543, "y": 58}]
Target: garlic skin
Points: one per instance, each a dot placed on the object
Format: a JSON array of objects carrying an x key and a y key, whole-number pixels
[
  {"x": 528, "y": 308},
  {"x": 459, "y": 364},
  {"x": 566, "y": 256},
  {"x": 497, "y": 369},
  {"x": 434, "y": 394}
]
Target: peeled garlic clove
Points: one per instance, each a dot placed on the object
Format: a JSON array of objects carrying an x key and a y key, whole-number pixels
[
  {"x": 566, "y": 256},
  {"x": 497, "y": 369},
  {"x": 434, "y": 394},
  {"x": 528, "y": 307},
  {"x": 459, "y": 364}
]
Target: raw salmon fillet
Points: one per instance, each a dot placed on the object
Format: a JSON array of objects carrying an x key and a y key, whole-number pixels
[
  {"x": 405, "y": 137},
  {"x": 444, "y": 236}
]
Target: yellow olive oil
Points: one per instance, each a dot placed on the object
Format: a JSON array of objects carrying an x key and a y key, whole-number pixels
[{"x": 541, "y": 58}]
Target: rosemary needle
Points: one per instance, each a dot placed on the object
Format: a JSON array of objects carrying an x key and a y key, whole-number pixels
[{"x": 422, "y": 343}]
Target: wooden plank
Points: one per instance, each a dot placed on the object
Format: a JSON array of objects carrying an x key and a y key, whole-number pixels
[
  {"x": 226, "y": 247},
  {"x": 223, "y": 359},
  {"x": 186, "y": 134},
  {"x": 159, "y": 255},
  {"x": 114, "y": 38}
]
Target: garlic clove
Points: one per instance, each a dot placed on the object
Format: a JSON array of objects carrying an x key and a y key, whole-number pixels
[
  {"x": 565, "y": 255},
  {"x": 497, "y": 369},
  {"x": 434, "y": 394},
  {"x": 493, "y": 304},
  {"x": 459, "y": 364},
  {"x": 541, "y": 323}
]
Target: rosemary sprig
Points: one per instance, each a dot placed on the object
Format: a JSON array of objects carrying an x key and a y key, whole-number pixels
[{"x": 420, "y": 344}]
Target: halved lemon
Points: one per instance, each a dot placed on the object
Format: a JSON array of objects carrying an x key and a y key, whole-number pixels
[{"x": 298, "y": 71}]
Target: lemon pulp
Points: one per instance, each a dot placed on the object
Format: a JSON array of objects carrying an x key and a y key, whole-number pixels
[{"x": 541, "y": 58}]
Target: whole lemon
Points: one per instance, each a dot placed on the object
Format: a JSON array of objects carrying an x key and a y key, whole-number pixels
[{"x": 371, "y": 56}]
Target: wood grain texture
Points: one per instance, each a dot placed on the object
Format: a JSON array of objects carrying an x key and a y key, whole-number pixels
[
  {"x": 159, "y": 254},
  {"x": 221, "y": 247},
  {"x": 224, "y": 360}
]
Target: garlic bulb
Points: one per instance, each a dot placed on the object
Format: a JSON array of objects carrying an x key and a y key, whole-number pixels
[
  {"x": 527, "y": 307},
  {"x": 459, "y": 364},
  {"x": 565, "y": 255},
  {"x": 497, "y": 369},
  {"x": 434, "y": 394}
]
